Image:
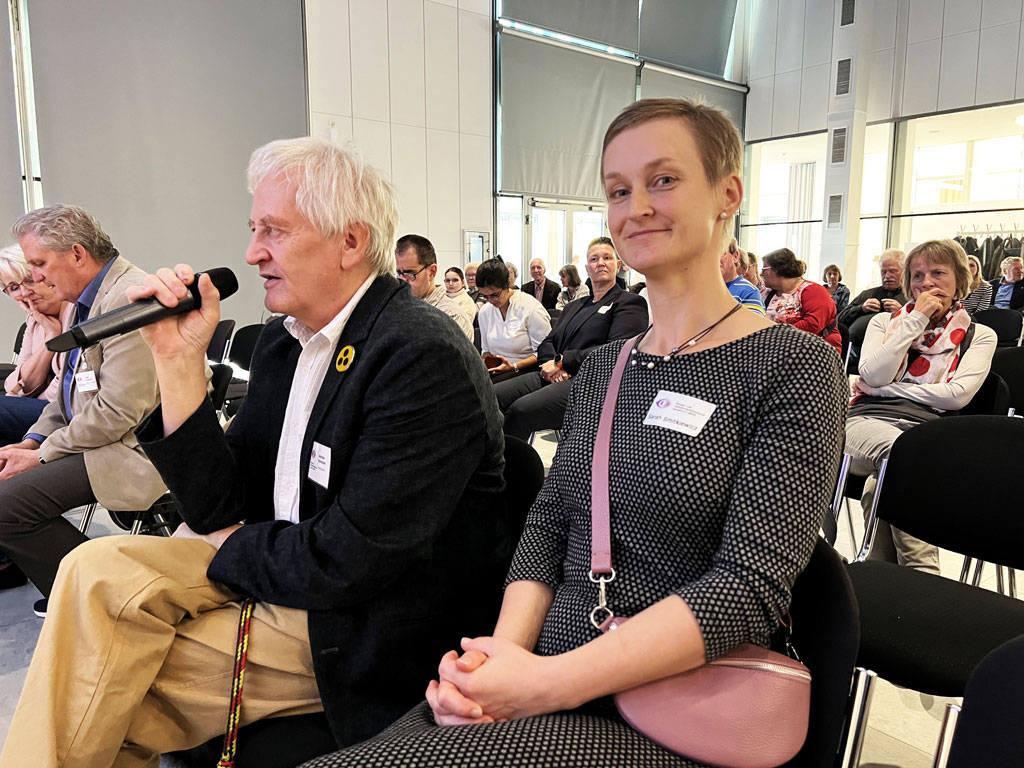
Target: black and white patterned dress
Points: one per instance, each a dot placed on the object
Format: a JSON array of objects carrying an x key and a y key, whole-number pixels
[{"x": 726, "y": 519}]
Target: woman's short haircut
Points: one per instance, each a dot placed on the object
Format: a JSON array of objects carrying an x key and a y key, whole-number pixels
[
  {"x": 457, "y": 271},
  {"x": 570, "y": 272},
  {"x": 979, "y": 276},
  {"x": 13, "y": 267},
  {"x": 718, "y": 141},
  {"x": 513, "y": 274},
  {"x": 832, "y": 268},
  {"x": 492, "y": 273},
  {"x": 946, "y": 252},
  {"x": 61, "y": 227},
  {"x": 784, "y": 263},
  {"x": 602, "y": 241},
  {"x": 334, "y": 188}
]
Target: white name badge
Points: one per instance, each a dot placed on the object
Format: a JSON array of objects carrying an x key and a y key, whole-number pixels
[
  {"x": 604, "y": 309},
  {"x": 320, "y": 465},
  {"x": 681, "y": 413},
  {"x": 86, "y": 381}
]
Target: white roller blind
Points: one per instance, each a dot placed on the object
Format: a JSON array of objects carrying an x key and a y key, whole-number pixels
[
  {"x": 555, "y": 106},
  {"x": 612, "y": 22},
  {"x": 660, "y": 85},
  {"x": 148, "y": 111},
  {"x": 12, "y": 196},
  {"x": 693, "y": 35}
]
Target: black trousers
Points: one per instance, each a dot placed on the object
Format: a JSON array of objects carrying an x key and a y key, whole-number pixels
[
  {"x": 33, "y": 531},
  {"x": 530, "y": 404}
]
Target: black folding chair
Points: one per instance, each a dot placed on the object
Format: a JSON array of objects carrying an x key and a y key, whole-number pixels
[
  {"x": 1007, "y": 323},
  {"x": 1009, "y": 365},
  {"x": 217, "y": 349},
  {"x": 922, "y": 631}
]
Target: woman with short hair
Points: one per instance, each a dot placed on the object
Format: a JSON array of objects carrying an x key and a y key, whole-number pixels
[
  {"x": 512, "y": 323},
  {"x": 792, "y": 300},
  {"x": 921, "y": 362},
  {"x": 832, "y": 279},
  {"x": 572, "y": 287}
]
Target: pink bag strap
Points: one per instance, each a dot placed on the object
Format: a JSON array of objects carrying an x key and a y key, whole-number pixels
[{"x": 601, "y": 536}]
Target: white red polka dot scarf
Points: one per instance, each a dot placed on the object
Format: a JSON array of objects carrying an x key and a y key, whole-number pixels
[{"x": 935, "y": 354}]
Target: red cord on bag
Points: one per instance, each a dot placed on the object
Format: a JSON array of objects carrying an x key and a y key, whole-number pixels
[{"x": 227, "y": 756}]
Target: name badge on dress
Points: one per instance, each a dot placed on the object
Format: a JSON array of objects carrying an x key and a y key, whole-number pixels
[
  {"x": 604, "y": 309},
  {"x": 320, "y": 464},
  {"x": 86, "y": 381},
  {"x": 680, "y": 413}
]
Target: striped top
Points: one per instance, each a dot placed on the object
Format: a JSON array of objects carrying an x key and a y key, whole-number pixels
[{"x": 746, "y": 294}]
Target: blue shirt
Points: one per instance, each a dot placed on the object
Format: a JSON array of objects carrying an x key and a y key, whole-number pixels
[
  {"x": 746, "y": 294},
  {"x": 85, "y": 302},
  {"x": 1003, "y": 295}
]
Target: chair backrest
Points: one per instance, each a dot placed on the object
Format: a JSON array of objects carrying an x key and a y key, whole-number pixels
[
  {"x": 1009, "y": 364},
  {"x": 19, "y": 339},
  {"x": 218, "y": 345},
  {"x": 826, "y": 634},
  {"x": 219, "y": 384},
  {"x": 844, "y": 338},
  {"x": 953, "y": 482},
  {"x": 242, "y": 345},
  {"x": 992, "y": 399},
  {"x": 989, "y": 731},
  {"x": 524, "y": 475},
  {"x": 1007, "y": 323}
]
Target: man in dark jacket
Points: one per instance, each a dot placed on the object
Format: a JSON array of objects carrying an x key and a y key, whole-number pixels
[
  {"x": 541, "y": 288},
  {"x": 887, "y": 297},
  {"x": 324, "y": 501},
  {"x": 1008, "y": 290},
  {"x": 537, "y": 400}
]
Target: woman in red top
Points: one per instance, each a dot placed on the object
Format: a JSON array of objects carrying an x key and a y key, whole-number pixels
[{"x": 795, "y": 301}]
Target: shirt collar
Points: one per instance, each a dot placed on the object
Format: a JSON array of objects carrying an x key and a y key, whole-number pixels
[
  {"x": 89, "y": 294},
  {"x": 332, "y": 331}
]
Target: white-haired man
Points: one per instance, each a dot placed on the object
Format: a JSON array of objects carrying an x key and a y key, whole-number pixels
[
  {"x": 1008, "y": 290},
  {"x": 363, "y": 557}
]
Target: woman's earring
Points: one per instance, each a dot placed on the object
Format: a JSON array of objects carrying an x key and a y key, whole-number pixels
[{"x": 723, "y": 215}]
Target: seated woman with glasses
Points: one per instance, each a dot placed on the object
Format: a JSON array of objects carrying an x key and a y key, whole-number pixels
[
  {"x": 572, "y": 286},
  {"x": 916, "y": 364},
  {"x": 791, "y": 300},
  {"x": 455, "y": 289},
  {"x": 35, "y": 379},
  {"x": 512, "y": 323},
  {"x": 711, "y": 521}
]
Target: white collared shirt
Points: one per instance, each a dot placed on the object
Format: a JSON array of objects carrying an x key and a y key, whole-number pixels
[{"x": 314, "y": 361}]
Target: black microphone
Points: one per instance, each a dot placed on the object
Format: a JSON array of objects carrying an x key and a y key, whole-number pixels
[{"x": 139, "y": 313}]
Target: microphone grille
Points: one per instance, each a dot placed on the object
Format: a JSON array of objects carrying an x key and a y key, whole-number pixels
[{"x": 223, "y": 280}]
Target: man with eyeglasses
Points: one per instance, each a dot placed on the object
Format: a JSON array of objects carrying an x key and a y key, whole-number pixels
[
  {"x": 83, "y": 446},
  {"x": 417, "y": 265}
]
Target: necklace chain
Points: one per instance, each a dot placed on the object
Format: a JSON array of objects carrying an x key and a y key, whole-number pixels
[{"x": 686, "y": 344}]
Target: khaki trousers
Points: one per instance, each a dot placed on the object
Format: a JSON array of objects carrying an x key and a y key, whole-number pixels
[{"x": 136, "y": 657}]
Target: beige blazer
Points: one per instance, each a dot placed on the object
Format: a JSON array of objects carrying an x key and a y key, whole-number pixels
[{"x": 104, "y": 420}]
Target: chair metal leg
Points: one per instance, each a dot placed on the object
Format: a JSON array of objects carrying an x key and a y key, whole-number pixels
[
  {"x": 90, "y": 510},
  {"x": 976, "y": 581},
  {"x": 529, "y": 440},
  {"x": 966, "y": 570},
  {"x": 837, "y": 496},
  {"x": 857, "y": 716},
  {"x": 136, "y": 524},
  {"x": 871, "y": 525},
  {"x": 946, "y": 736},
  {"x": 1011, "y": 577},
  {"x": 161, "y": 524},
  {"x": 849, "y": 522},
  {"x": 1000, "y": 587}
]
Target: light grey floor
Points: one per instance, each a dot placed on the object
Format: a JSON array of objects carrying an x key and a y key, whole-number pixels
[{"x": 904, "y": 725}]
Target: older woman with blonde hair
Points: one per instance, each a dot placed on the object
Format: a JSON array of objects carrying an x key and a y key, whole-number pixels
[
  {"x": 980, "y": 296},
  {"x": 923, "y": 361},
  {"x": 709, "y": 523}
]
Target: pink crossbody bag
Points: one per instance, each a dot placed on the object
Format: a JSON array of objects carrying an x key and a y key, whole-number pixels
[{"x": 746, "y": 709}]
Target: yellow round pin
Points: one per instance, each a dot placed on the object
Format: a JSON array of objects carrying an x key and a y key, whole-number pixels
[{"x": 345, "y": 358}]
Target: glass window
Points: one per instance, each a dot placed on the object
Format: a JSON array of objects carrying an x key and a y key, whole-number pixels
[{"x": 510, "y": 229}]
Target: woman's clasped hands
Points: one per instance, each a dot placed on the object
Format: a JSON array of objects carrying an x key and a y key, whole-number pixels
[{"x": 494, "y": 680}]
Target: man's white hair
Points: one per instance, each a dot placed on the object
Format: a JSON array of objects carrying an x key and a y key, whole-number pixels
[{"x": 334, "y": 187}]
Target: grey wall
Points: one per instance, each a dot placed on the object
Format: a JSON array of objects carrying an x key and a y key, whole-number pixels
[{"x": 148, "y": 111}]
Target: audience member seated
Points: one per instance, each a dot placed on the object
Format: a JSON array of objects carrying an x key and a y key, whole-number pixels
[
  {"x": 455, "y": 288},
  {"x": 513, "y": 275},
  {"x": 709, "y": 527},
  {"x": 35, "y": 380},
  {"x": 572, "y": 286},
  {"x": 791, "y": 300},
  {"x": 537, "y": 400},
  {"x": 1008, "y": 290},
  {"x": 512, "y": 323},
  {"x": 750, "y": 272},
  {"x": 833, "y": 282},
  {"x": 924, "y": 360},
  {"x": 364, "y": 560},
  {"x": 471, "y": 268},
  {"x": 887, "y": 297},
  {"x": 83, "y": 446},
  {"x": 740, "y": 288},
  {"x": 540, "y": 287},
  {"x": 417, "y": 265},
  {"x": 980, "y": 296}
]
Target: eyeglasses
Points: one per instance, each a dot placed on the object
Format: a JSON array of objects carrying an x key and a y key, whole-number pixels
[
  {"x": 490, "y": 296},
  {"x": 766, "y": 269},
  {"x": 12, "y": 287},
  {"x": 409, "y": 274}
]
